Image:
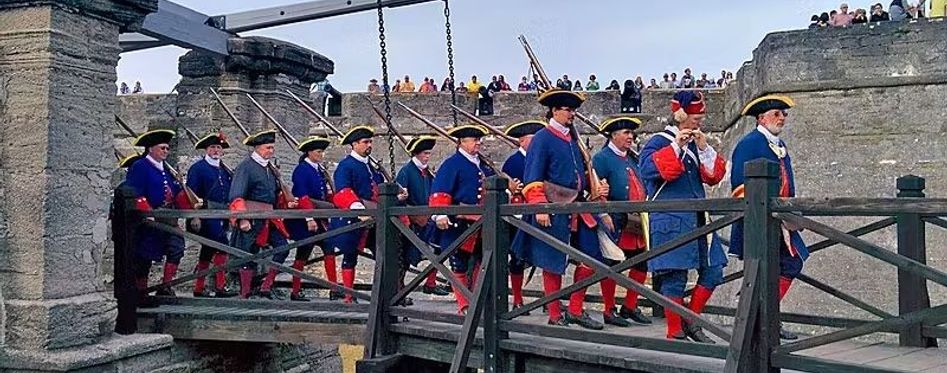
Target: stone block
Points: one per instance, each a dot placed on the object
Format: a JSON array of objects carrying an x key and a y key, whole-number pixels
[{"x": 59, "y": 323}]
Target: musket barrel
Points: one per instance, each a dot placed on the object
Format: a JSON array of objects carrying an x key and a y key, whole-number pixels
[{"x": 504, "y": 137}]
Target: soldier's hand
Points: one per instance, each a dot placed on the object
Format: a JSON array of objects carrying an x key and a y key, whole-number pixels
[
  {"x": 293, "y": 204},
  {"x": 603, "y": 187},
  {"x": 443, "y": 222},
  {"x": 152, "y": 218},
  {"x": 403, "y": 195},
  {"x": 543, "y": 220},
  {"x": 364, "y": 217},
  {"x": 245, "y": 225},
  {"x": 683, "y": 137},
  {"x": 700, "y": 138},
  {"x": 312, "y": 225},
  {"x": 195, "y": 224},
  {"x": 516, "y": 186},
  {"x": 608, "y": 223},
  {"x": 199, "y": 204}
]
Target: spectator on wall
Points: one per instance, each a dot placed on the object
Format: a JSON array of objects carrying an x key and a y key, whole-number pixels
[
  {"x": 592, "y": 85},
  {"x": 674, "y": 82},
  {"x": 504, "y": 86},
  {"x": 564, "y": 83},
  {"x": 628, "y": 97},
  {"x": 814, "y": 21},
  {"x": 539, "y": 84},
  {"x": 639, "y": 83},
  {"x": 654, "y": 84},
  {"x": 577, "y": 86},
  {"x": 462, "y": 88},
  {"x": 523, "y": 86},
  {"x": 666, "y": 83},
  {"x": 474, "y": 86},
  {"x": 137, "y": 88},
  {"x": 703, "y": 81},
  {"x": 843, "y": 18},
  {"x": 407, "y": 85},
  {"x": 688, "y": 77},
  {"x": 485, "y": 101},
  {"x": 448, "y": 85},
  {"x": 861, "y": 16},
  {"x": 824, "y": 19},
  {"x": 124, "y": 90},
  {"x": 613, "y": 86},
  {"x": 373, "y": 86},
  {"x": 494, "y": 84},
  {"x": 878, "y": 14},
  {"x": 427, "y": 86}
]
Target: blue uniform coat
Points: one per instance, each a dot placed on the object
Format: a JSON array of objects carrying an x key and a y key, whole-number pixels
[
  {"x": 418, "y": 184},
  {"x": 212, "y": 184},
  {"x": 159, "y": 189},
  {"x": 354, "y": 181},
  {"x": 459, "y": 182},
  {"x": 308, "y": 181}
]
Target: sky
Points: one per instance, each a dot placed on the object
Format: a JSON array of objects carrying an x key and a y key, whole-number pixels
[{"x": 613, "y": 39}]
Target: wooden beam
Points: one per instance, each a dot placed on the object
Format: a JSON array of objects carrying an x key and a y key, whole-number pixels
[
  {"x": 713, "y": 205},
  {"x": 422, "y": 275},
  {"x": 255, "y": 331},
  {"x": 861, "y": 206},
  {"x": 430, "y": 256},
  {"x": 179, "y": 25}
]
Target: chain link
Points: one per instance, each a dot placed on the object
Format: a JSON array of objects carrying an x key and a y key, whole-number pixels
[
  {"x": 450, "y": 58},
  {"x": 386, "y": 88}
]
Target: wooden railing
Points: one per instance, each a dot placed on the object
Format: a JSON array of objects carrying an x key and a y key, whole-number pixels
[{"x": 752, "y": 343}]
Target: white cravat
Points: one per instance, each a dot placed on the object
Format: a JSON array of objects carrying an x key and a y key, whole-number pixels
[
  {"x": 212, "y": 161},
  {"x": 558, "y": 127},
  {"x": 621, "y": 153},
  {"x": 773, "y": 139},
  {"x": 421, "y": 166},
  {"x": 470, "y": 157},
  {"x": 522, "y": 151},
  {"x": 259, "y": 159},
  {"x": 311, "y": 163},
  {"x": 158, "y": 165}
]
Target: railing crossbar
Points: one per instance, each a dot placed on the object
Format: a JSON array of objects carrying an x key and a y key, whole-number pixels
[
  {"x": 250, "y": 215},
  {"x": 430, "y": 256},
  {"x": 847, "y": 298},
  {"x": 713, "y": 205},
  {"x": 421, "y": 275},
  {"x": 937, "y": 221},
  {"x": 860, "y": 206}
]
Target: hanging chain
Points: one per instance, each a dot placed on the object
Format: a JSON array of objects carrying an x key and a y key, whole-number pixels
[
  {"x": 386, "y": 89},
  {"x": 450, "y": 58}
]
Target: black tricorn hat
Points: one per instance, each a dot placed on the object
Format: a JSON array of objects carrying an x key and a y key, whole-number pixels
[
  {"x": 560, "y": 98},
  {"x": 212, "y": 139},
  {"x": 621, "y": 122},
  {"x": 420, "y": 144},
  {"x": 467, "y": 130},
  {"x": 260, "y": 138},
  {"x": 129, "y": 160},
  {"x": 313, "y": 143},
  {"x": 767, "y": 103},
  {"x": 357, "y": 133},
  {"x": 524, "y": 128},
  {"x": 155, "y": 137}
]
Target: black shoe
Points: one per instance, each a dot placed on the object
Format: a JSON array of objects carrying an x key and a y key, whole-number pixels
[
  {"x": 696, "y": 334},
  {"x": 785, "y": 334},
  {"x": 435, "y": 290},
  {"x": 560, "y": 322},
  {"x": 266, "y": 294},
  {"x": 336, "y": 295},
  {"x": 584, "y": 320},
  {"x": 634, "y": 314},
  {"x": 515, "y": 306},
  {"x": 203, "y": 294},
  {"x": 611, "y": 318},
  {"x": 298, "y": 297},
  {"x": 406, "y": 302},
  {"x": 165, "y": 292},
  {"x": 225, "y": 293}
]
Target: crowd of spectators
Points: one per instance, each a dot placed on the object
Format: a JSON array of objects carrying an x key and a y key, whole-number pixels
[{"x": 898, "y": 10}]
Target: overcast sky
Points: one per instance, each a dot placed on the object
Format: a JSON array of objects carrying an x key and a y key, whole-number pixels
[{"x": 614, "y": 39}]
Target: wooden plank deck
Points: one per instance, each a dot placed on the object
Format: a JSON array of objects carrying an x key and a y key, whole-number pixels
[{"x": 322, "y": 321}]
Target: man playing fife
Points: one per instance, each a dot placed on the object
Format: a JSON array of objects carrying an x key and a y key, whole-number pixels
[
  {"x": 764, "y": 142},
  {"x": 256, "y": 188},
  {"x": 211, "y": 182},
  {"x": 310, "y": 183},
  {"x": 675, "y": 164},
  {"x": 554, "y": 168},
  {"x": 618, "y": 164},
  {"x": 416, "y": 177},
  {"x": 514, "y": 166},
  {"x": 156, "y": 188},
  {"x": 460, "y": 182}
]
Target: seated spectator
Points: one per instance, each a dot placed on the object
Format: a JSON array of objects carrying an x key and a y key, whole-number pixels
[
  {"x": 577, "y": 86},
  {"x": 592, "y": 85},
  {"x": 878, "y": 14},
  {"x": 674, "y": 82},
  {"x": 639, "y": 83},
  {"x": 666, "y": 83},
  {"x": 654, "y": 84},
  {"x": 474, "y": 85},
  {"x": 824, "y": 19},
  {"x": 448, "y": 85},
  {"x": 538, "y": 84},
  {"x": 373, "y": 86},
  {"x": 407, "y": 85},
  {"x": 814, "y": 21},
  {"x": 397, "y": 87},
  {"x": 504, "y": 86},
  {"x": 461, "y": 88},
  {"x": 427, "y": 87},
  {"x": 703, "y": 81},
  {"x": 524, "y": 85},
  {"x": 124, "y": 90},
  {"x": 628, "y": 95},
  {"x": 861, "y": 16},
  {"x": 564, "y": 83},
  {"x": 613, "y": 86},
  {"x": 898, "y": 11},
  {"x": 688, "y": 78},
  {"x": 138, "y": 88},
  {"x": 843, "y": 18}
]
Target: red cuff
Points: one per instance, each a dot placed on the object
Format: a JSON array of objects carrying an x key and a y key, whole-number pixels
[
  {"x": 517, "y": 199},
  {"x": 535, "y": 193},
  {"x": 141, "y": 204},
  {"x": 720, "y": 169},
  {"x": 182, "y": 202},
  {"x": 668, "y": 164},
  {"x": 344, "y": 198},
  {"x": 238, "y": 205},
  {"x": 439, "y": 199},
  {"x": 305, "y": 203},
  {"x": 281, "y": 201}
]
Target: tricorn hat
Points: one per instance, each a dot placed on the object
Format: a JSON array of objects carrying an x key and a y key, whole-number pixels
[
  {"x": 212, "y": 139},
  {"x": 524, "y": 128},
  {"x": 767, "y": 103},
  {"x": 313, "y": 143},
  {"x": 260, "y": 138},
  {"x": 561, "y": 98},
  {"x": 357, "y": 133},
  {"x": 155, "y": 137}
]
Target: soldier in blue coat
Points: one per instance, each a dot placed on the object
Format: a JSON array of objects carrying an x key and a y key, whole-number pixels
[
  {"x": 675, "y": 164},
  {"x": 417, "y": 176},
  {"x": 554, "y": 161},
  {"x": 210, "y": 181},
  {"x": 356, "y": 183},
  {"x": 514, "y": 166},
  {"x": 618, "y": 164},
  {"x": 764, "y": 142},
  {"x": 156, "y": 188},
  {"x": 460, "y": 182},
  {"x": 310, "y": 184},
  {"x": 256, "y": 187}
]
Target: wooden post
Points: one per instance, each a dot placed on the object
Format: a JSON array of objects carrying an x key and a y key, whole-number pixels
[
  {"x": 912, "y": 289},
  {"x": 125, "y": 220},
  {"x": 496, "y": 236},
  {"x": 378, "y": 339},
  {"x": 757, "y": 329}
]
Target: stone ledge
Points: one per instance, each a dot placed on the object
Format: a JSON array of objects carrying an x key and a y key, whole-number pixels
[
  {"x": 127, "y": 13},
  {"x": 58, "y": 323},
  {"x": 259, "y": 55},
  {"x": 113, "y": 349}
]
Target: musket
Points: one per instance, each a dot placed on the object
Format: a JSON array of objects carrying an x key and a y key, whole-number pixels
[
  {"x": 592, "y": 176},
  {"x": 401, "y": 138},
  {"x": 506, "y": 138},
  {"x": 375, "y": 163},
  {"x": 194, "y": 139},
  {"x": 440, "y": 131},
  {"x": 192, "y": 198},
  {"x": 291, "y": 140},
  {"x": 287, "y": 193}
]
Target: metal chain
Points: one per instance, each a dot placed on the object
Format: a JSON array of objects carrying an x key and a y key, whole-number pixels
[
  {"x": 450, "y": 58},
  {"x": 386, "y": 89}
]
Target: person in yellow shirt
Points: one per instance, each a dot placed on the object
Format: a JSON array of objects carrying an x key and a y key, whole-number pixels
[
  {"x": 938, "y": 8},
  {"x": 474, "y": 86},
  {"x": 407, "y": 85}
]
